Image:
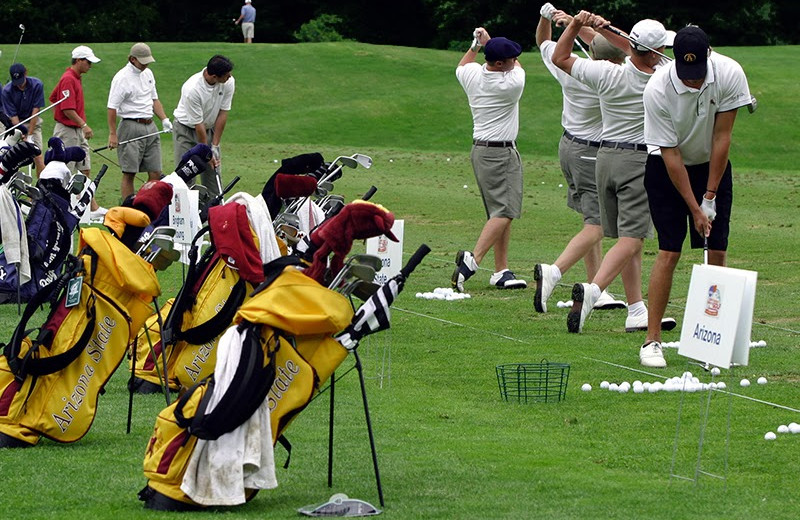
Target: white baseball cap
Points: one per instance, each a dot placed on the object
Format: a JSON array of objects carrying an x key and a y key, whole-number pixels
[
  {"x": 82, "y": 52},
  {"x": 652, "y": 34}
]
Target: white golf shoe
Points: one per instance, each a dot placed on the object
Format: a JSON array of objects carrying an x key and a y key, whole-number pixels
[
  {"x": 583, "y": 300},
  {"x": 506, "y": 279},
  {"x": 545, "y": 283},
  {"x": 607, "y": 302},
  {"x": 650, "y": 355},
  {"x": 466, "y": 266},
  {"x": 639, "y": 323}
]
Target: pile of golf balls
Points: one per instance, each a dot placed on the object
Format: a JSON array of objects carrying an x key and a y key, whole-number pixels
[
  {"x": 443, "y": 293},
  {"x": 683, "y": 383},
  {"x": 677, "y": 344},
  {"x": 783, "y": 428}
]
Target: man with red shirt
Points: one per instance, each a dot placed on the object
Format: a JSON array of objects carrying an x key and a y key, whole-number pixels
[{"x": 71, "y": 126}]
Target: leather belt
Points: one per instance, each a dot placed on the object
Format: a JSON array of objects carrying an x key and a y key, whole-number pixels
[
  {"x": 578, "y": 140},
  {"x": 139, "y": 120},
  {"x": 624, "y": 146},
  {"x": 495, "y": 144}
]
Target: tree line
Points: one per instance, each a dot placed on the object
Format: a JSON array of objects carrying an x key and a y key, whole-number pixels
[{"x": 442, "y": 24}]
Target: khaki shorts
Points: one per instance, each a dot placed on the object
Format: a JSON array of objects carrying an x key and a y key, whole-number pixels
[
  {"x": 578, "y": 165},
  {"x": 143, "y": 155},
  {"x": 498, "y": 172},
  {"x": 248, "y": 29},
  {"x": 183, "y": 139},
  {"x": 73, "y": 136},
  {"x": 624, "y": 211},
  {"x": 36, "y": 137}
]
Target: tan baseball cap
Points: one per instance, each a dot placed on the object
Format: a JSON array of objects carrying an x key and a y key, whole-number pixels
[{"x": 141, "y": 51}]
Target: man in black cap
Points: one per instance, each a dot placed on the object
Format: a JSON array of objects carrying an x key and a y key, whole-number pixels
[
  {"x": 689, "y": 110},
  {"x": 22, "y": 98},
  {"x": 493, "y": 91}
]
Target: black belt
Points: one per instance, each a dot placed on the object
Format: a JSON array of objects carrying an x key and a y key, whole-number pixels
[
  {"x": 139, "y": 120},
  {"x": 624, "y": 146},
  {"x": 495, "y": 144},
  {"x": 578, "y": 140}
]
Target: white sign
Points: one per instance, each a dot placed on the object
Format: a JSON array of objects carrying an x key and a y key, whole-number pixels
[
  {"x": 390, "y": 253},
  {"x": 719, "y": 315},
  {"x": 184, "y": 216}
]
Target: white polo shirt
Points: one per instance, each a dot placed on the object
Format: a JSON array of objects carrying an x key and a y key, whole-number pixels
[
  {"x": 132, "y": 93},
  {"x": 201, "y": 102},
  {"x": 620, "y": 89},
  {"x": 679, "y": 116},
  {"x": 581, "y": 115},
  {"x": 493, "y": 99}
]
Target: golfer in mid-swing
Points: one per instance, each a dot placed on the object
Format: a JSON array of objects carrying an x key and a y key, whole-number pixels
[{"x": 494, "y": 91}]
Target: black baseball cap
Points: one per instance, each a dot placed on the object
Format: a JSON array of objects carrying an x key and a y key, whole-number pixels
[
  {"x": 500, "y": 48},
  {"x": 691, "y": 53},
  {"x": 17, "y": 72}
]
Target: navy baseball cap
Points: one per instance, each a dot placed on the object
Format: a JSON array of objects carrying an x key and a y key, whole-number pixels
[
  {"x": 17, "y": 72},
  {"x": 691, "y": 53},
  {"x": 498, "y": 49}
]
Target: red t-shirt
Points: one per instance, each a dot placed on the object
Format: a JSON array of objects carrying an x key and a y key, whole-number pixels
[{"x": 70, "y": 81}]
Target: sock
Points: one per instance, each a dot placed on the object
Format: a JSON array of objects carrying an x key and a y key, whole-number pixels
[
  {"x": 637, "y": 309},
  {"x": 596, "y": 292},
  {"x": 556, "y": 273}
]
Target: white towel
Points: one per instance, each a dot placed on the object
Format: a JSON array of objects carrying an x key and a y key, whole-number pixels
[
  {"x": 219, "y": 471},
  {"x": 310, "y": 215},
  {"x": 57, "y": 170},
  {"x": 258, "y": 213},
  {"x": 14, "y": 235}
]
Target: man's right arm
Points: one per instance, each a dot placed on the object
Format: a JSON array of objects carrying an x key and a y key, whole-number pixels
[
  {"x": 112, "y": 128},
  {"x": 73, "y": 116},
  {"x": 469, "y": 57}
]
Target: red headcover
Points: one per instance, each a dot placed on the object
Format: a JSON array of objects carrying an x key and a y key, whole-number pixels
[
  {"x": 231, "y": 234},
  {"x": 292, "y": 186},
  {"x": 153, "y": 197}
]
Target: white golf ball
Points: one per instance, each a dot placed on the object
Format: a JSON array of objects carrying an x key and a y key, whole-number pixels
[
  {"x": 783, "y": 429},
  {"x": 465, "y": 186},
  {"x": 638, "y": 389},
  {"x": 794, "y": 428},
  {"x": 762, "y": 343},
  {"x": 744, "y": 382},
  {"x": 613, "y": 387},
  {"x": 646, "y": 386},
  {"x": 586, "y": 387},
  {"x": 722, "y": 385},
  {"x": 762, "y": 380},
  {"x": 623, "y": 389},
  {"x": 715, "y": 371},
  {"x": 769, "y": 436},
  {"x": 391, "y": 160},
  {"x": 604, "y": 385},
  {"x": 448, "y": 159},
  {"x": 560, "y": 185}
]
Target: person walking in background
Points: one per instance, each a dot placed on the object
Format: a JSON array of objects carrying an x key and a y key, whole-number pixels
[
  {"x": 493, "y": 91},
  {"x": 133, "y": 99},
  {"x": 22, "y": 98},
  {"x": 248, "y": 21},
  {"x": 690, "y": 106},
  {"x": 582, "y": 121},
  {"x": 202, "y": 113},
  {"x": 71, "y": 125}
]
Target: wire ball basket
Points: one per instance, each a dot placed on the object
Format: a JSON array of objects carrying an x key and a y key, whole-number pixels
[{"x": 543, "y": 382}]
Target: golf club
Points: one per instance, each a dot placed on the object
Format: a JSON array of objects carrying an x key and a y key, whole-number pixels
[
  {"x": 634, "y": 41},
  {"x": 334, "y": 172},
  {"x": 64, "y": 93},
  {"x": 356, "y": 274},
  {"x": 22, "y": 28},
  {"x": 132, "y": 140}
]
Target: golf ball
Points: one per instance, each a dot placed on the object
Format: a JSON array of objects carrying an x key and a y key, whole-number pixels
[
  {"x": 794, "y": 428},
  {"x": 783, "y": 429},
  {"x": 721, "y": 385},
  {"x": 744, "y": 382},
  {"x": 465, "y": 186},
  {"x": 614, "y": 387},
  {"x": 391, "y": 160},
  {"x": 604, "y": 385},
  {"x": 560, "y": 185},
  {"x": 448, "y": 159},
  {"x": 762, "y": 380},
  {"x": 715, "y": 371},
  {"x": 769, "y": 436},
  {"x": 762, "y": 343},
  {"x": 586, "y": 387},
  {"x": 638, "y": 389}
]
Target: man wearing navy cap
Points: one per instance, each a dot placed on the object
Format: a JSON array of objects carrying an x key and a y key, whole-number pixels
[
  {"x": 689, "y": 110},
  {"x": 22, "y": 98},
  {"x": 493, "y": 91}
]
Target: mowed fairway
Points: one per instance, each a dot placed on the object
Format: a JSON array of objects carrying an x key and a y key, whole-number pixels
[{"x": 448, "y": 447}]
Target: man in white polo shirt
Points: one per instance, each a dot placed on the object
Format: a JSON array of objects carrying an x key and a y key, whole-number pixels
[
  {"x": 689, "y": 110},
  {"x": 619, "y": 170},
  {"x": 493, "y": 91},
  {"x": 133, "y": 99},
  {"x": 583, "y": 126}
]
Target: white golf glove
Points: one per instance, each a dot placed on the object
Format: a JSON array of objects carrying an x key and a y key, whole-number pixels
[
  {"x": 215, "y": 153},
  {"x": 476, "y": 42},
  {"x": 709, "y": 207},
  {"x": 166, "y": 125},
  {"x": 547, "y": 11}
]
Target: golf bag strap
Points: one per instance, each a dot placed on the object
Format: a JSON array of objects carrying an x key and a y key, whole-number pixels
[
  {"x": 283, "y": 441},
  {"x": 273, "y": 269},
  {"x": 220, "y": 321},
  {"x": 66, "y": 238},
  {"x": 180, "y": 418},
  {"x": 49, "y": 365}
]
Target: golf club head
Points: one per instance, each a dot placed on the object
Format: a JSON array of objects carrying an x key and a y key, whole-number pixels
[
  {"x": 27, "y": 179},
  {"x": 163, "y": 258},
  {"x": 287, "y": 228},
  {"x": 371, "y": 260},
  {"x": 77, "y": 183},
  {"x": 323, "y": 188},
  {"x": 332, "y": 205},
  {"x": 22, "y": 27},
  {"x": 364, "y": 160},
  {"x": 753, "y": 106},
  {"x": 364, "y": 290},
  {"x": 350, "y": 162},
  {"x": 356, "y": 273}
]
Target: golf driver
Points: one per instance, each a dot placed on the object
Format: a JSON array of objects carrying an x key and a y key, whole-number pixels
[
  {"x": 132, "y": 140},
  {"x": 64, "y": 93},
  {"x": 21, "y": 28}
]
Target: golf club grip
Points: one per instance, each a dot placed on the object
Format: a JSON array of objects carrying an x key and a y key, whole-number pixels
[
  {"x": 100, "y": 149},
  {"x": 415, "y": 259},
  {"x": 231, "y": 184},
  {"x": 614, "y": 30},
  {"x": 370, "y": 192},
  {"x": 100, "y": 174}
]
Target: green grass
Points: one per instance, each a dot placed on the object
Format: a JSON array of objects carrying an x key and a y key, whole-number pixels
[{"x": 448, "y": 447}]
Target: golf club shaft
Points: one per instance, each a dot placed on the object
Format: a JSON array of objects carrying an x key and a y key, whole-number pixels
[
  {"x": 18, "y": 43},
  {"x": 131, "y": 140},
  {"x": 634, "y": 41},
  {"x": 582, "y": 48},
  {"x": 39, "y": 113},
  {"x": 705, "y": 250}
]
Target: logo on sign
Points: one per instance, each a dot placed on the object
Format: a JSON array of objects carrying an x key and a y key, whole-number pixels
[{"x": 713, "y": 301}]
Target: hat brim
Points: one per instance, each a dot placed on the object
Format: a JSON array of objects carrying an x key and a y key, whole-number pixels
[
  {"x": 19, "y": 81},
  {"x": 694, "y": 71},
  {"x": 146, "y": 60},
  {"x": 93, "y": 59}
]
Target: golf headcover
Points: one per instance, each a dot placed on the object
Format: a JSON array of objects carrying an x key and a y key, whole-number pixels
[
  {"x": 190, "y": 168},
  {"x": 56, "y": 151},
  {"x": 118, "y": 219},
  {"x": 356, "y": 221},
  {"x": 293, "y": 186},
  {"x": 201, "y": 150},
  {"x": 14, "y": 158},
  {"x": 298, "y": 165},
  {"x": 374, "y": 315},
  {"x": 14, "y": 137},
  {"x": 152, "y": 198}
]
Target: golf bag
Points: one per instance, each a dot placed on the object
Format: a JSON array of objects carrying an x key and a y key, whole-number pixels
[
  {"x": 50, "y": 383},
  {"x": 150, "y": 355}
]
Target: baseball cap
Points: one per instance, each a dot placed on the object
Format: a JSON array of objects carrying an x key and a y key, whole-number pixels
[
  {"x": 17, "y": 72},
  {"x": 141, "y": 51},
  {"x": 500, "y": 48},
  {"x": 691, "y": 53},
  {"x": 82, "y": 52},
  {"x": 247, "y": 1},
  {"x": 602, "y": 49},
  {"x": 652, "y": 34}
]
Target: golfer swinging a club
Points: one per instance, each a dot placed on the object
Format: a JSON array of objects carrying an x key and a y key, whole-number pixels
[{"x": 493, "y": 91}]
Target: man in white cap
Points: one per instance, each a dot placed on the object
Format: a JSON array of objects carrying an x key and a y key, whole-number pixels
[
  {"x": 582, "y": 121},
  {"x": 133, "y": 99},
  {"x": 619, "y": 170},
  {"x": 71, "y": 125},
  {"x": 248, "y": 20},
  {"x": 689, "y": 110}
]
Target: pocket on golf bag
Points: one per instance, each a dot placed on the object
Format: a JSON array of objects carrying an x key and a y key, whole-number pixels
[
  {"x": 150, "y": 351},
  {"x": 12, "y": 402}
]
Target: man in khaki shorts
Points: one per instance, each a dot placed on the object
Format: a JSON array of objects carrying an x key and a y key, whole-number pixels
[
  {"x": 71, "y": 125},
  {"x": 248, "y": 21},
  {"x": 133, "y": 100}
]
